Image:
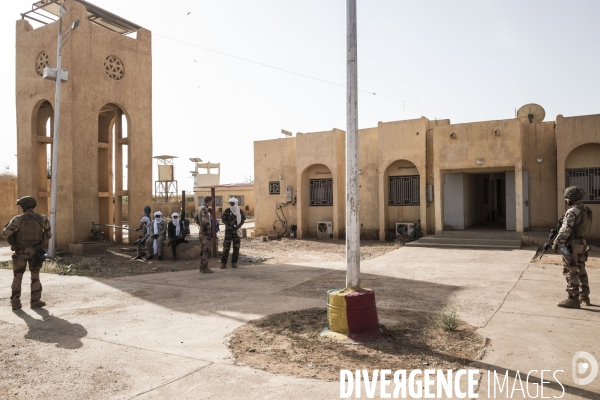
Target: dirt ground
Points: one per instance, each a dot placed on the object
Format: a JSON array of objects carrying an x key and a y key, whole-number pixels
[
  {"x": 290, "y": 343},
  {"x": 117, "y": 261}
]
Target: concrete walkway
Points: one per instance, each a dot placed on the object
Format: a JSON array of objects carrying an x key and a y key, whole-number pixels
[{"x": 165, "y": 335}]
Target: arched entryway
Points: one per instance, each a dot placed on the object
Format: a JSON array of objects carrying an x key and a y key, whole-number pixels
[
  {"x": 401, "y": 202},
  {"x": 317, "y": 199},
  {"x": 43, "y": 120},
  {"x": 113, "y": 153}
]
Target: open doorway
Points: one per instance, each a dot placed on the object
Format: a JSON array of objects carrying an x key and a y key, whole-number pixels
[{"x": 478, "y": 201}]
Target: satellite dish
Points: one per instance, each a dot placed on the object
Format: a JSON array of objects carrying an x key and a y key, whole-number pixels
[{"x": 531, "y": 113}]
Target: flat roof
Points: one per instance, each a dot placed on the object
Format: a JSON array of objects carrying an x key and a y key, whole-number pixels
[{"x": 46, "y": 11}]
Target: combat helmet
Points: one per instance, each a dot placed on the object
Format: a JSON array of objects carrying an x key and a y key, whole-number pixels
[
  {"x": 574, "y": 193},
  {"x": 27, "y": 202}
]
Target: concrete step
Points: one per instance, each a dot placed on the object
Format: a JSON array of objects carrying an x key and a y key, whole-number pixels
[
  {"x": 482, "y": 241},
  {"x": 480, "y": 234},
  {"x": 494, "y": 243},
  {"x": 469, "y": 246}
]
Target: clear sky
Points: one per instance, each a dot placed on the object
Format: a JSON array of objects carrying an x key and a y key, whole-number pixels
[{"x": 466, "y": 60}]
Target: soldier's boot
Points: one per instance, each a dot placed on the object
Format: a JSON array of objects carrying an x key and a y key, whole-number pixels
[
  {"x": 233, "y": 265},
  {"x": 37, "y": 303},
  {"x": 223, "y": 265},
  {"x": 584, "y": 300},
  {"x": 137, "y": 258},
  {"x": 570, "y": 302},
  {"x": 206, "y": 270},
  {"x": 16, "y": 305}
]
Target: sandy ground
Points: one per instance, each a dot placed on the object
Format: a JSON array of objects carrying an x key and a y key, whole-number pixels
[{"x": 167, "y": 335}]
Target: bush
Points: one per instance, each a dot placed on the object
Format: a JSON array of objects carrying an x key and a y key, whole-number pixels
[{"x": 446, "y": 320}]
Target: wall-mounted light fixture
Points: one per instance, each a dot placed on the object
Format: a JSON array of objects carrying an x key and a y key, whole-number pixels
[
  {"x": 539, "y": 159},
  {"x": 453, "y": 135},
  {"x": 479, "y": 161},
  {"x": 280, "y": 177},
  {"x": 497, "y": 132},
  {"x": 360, "y": 171}
]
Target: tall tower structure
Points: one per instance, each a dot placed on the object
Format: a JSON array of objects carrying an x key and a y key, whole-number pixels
[{"x": 105, "y": 148}]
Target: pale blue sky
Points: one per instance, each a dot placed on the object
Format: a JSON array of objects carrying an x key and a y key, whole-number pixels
[{"x": 462, "y": 60}]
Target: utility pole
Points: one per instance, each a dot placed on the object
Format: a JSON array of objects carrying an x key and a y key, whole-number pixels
[
  {"x": 352, "y": 216},
  {"x": 57, "y": 75}
]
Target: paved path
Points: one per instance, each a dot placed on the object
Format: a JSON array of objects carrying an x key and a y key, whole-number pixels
[{"x": 165, "y": 335}]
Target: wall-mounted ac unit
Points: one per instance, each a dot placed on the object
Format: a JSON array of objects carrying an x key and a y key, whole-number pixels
[
  {"x": 404, "y": 228},
  {"x": 324, "y": 229}
]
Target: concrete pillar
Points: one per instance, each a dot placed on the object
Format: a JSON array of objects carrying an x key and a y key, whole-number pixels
[
  {"x": 519, "y": 196},
  {"x": 383, "y": 206},
  {"x": 438, "y": 192}
]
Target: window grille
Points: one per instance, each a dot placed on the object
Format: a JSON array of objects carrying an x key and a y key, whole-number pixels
[
  {"x": 321, "y": 192},
  {"x": 274, "y": 187},
  {"x": 588, "y": 179},
  {"x": 200, "y": 201},
  {"x": 404, "y": 191},
  {"x": 218, "y": 201},
  {"x": 240, "y": 199}
]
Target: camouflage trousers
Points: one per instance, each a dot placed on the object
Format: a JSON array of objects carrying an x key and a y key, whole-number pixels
[
  {"x": 574, "y": 270},
  {"x": 231, "y": 236},
  {"x": 20, "y": 258},
  {"x": 205, "y": 250}
]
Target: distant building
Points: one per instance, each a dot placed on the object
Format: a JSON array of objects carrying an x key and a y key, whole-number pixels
[{"x": 244, "y": 192}]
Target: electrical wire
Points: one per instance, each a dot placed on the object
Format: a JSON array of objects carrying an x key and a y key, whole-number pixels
[
  {"x": 314, "y": 78},
  {"x": 283, "y": 222}
]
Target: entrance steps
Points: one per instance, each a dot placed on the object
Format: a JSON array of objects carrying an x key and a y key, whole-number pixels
[{"x": 488, "y": 239}]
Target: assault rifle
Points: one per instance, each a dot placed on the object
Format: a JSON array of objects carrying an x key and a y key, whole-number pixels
[{"x": 553, "y": 233}]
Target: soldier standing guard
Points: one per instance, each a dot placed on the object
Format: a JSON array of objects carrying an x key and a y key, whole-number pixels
[
  {"x": 26, "y": 234},
  {"x": 233, "y": 218},
  {"x": 571, "y": 241},
  {"x": 205, "y": 234}
]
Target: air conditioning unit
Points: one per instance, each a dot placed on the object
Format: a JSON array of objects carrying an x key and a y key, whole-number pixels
[
  {"x": 324, "y": 229},
  {"x": 404, "y": 228}
]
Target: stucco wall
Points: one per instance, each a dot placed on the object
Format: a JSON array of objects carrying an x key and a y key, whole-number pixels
[
  {"x": 8, "y": 198},
  {"x": 578, "y": 135},
  {"x": 272, "y": 159},
  {"x": 88, "y": 89},
  {"x": 539, "y": 140}
]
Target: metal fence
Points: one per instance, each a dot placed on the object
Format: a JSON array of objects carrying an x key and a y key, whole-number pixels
[
  {"x": 404, "y": 191},
  {"x": 588, "y": 179},
  {"x": 321, "y": 192}
]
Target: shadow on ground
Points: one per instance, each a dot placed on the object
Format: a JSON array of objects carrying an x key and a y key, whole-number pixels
[{"x": 52, "y": 329}]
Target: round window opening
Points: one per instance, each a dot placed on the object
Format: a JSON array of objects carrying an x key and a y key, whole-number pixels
[
  {"x": 41, "y": 62},
  {"x": 114, "y": 67}
]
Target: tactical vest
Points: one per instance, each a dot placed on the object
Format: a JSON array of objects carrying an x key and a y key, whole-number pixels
[
  {"x": 583, "y": 221},
  {"x": 31, "y": 231}
]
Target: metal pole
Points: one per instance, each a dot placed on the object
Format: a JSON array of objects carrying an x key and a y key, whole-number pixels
[
  {"x": 352, "y": 216},
  {"x": 53, "y": 184}
]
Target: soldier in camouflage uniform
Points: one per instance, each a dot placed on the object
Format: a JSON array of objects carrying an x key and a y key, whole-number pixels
[
  {"x": 571, "y": 241},
  {"x": 26, "y": 234},
  {"x": 205, "y": 223},
  {"x": 233, "y": 218}
]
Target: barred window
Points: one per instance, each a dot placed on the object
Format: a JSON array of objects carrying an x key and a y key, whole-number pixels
[
  {"x": 218, "y": 201},
  {"x": 588, "y": 179},
  {"x": 200, "y": 201},
  {"x": 321, "y": 192},
  {"x": 404, "y": 191},
  {"x": 274, "y": 187},
  {"x": 240, "y": 199}
]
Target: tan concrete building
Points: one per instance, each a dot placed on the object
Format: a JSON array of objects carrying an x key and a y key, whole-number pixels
[
  {"x": 244, "y": 192},
  {"x": 506, "y": 175},
  {"x": 106, "y": 118}
]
